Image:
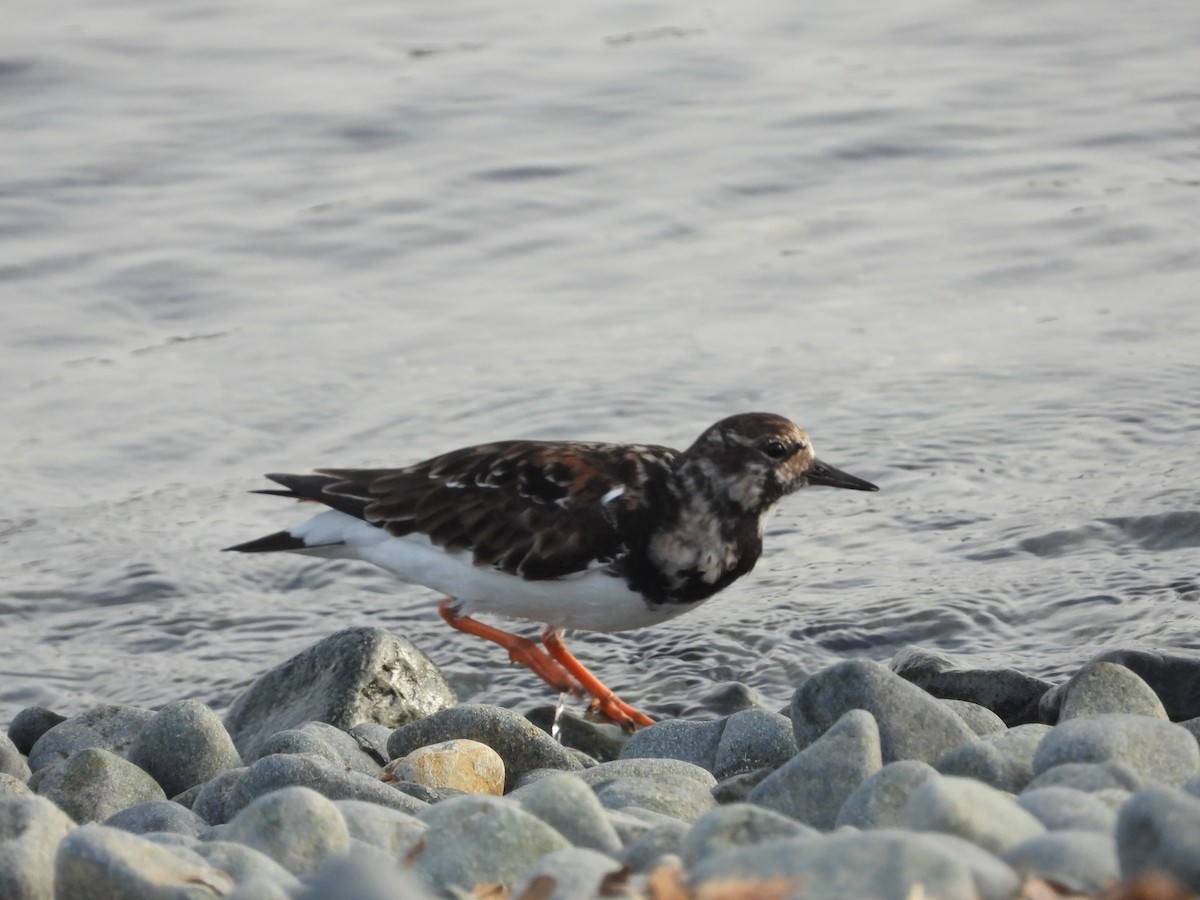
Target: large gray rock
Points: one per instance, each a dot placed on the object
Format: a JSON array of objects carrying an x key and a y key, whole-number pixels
[
  {"x": 1068, "y": 809},
  {"x": 1084, "y": 862},
  {"x": 572, "y": 874},
  {"x": 301, "y": 770},
  {"x": 157, "y": 815},
  {"x": 481, "y": 839},
  {"x": 567, "y": 804},
  {"x": 880, "y": 800},
  {"x": 93, "y": 784},
  {"x": 355, "y": 675},
  {"x": 110, "y": 728},
  {"x": 1158, "y": 750},
  {"x": 912, "y": 724},
  {"x": 814, "y": 784},
  {"x": 295, "y": 826},
  {"x": 1104, "y": 687},
  {"x": 11, "y": 760},
  {"x": 30, "y": 724},
  {"x": 95, "y": 862},
  {"x": 736, "y": 825},
  {"x": 1173, "y": 677},
  {"x": 31, "y": 829},
  {"x": 747, "y": 740},
  {"x": 1089, "y": 777},
  {"x": 676, "y": 796},
  {"x": 972, "y": 811},
  {"x": 182, "y": 745},
  {"x": 1158, "y": 829},
  {"x": 693, "y": 742},
  {"x": 1003, "y": 760},
  {"x": 522, "y": 745},
  {"x": 1010, "y": 694},
  {"x": 323, "y": 739},
  {"x": 392, "y": 831}
]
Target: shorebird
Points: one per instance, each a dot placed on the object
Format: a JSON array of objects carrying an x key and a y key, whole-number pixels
[{"x": 571, "y": 534}]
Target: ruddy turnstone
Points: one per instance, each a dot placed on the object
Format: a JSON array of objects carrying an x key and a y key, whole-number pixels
[{"x": 599, "y": 537}]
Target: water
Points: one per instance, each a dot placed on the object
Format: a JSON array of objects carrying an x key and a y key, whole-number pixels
[{"x": 956, "y": 241}]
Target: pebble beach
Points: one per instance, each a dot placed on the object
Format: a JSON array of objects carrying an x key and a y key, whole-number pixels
[{"x": 351, "y": 771}]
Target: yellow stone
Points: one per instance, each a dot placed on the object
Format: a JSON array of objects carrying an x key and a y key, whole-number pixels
[{"x": 461, "y": 764}]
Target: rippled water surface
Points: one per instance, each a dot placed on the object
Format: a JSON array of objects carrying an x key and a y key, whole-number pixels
[{"x": 959, "y": 242}]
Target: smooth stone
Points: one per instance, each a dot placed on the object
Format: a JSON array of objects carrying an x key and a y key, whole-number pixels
[
  {"x": 1191, "y": 786},
  {"x": 753, "y": 739},
  {"x": 1173, "y": 677},
  {"x": 648, "y": 849},
  {"x": 1089, "y": 777},
  {"x": 295, "y": 826},
  {"x": 692, "y": 742},
  {"x": 676, "y": 796},
  {"x": 95, "y": 862},
  {"x": 1113, "y": 798},
  {"x": 598, "y": 740},
  {"x": 972, "y": 811},
  {"x": 31, "y": 829},
  {"x": 572, "y": 874},
  {"x": 1003, "y": 760},
  {"x": 1010, "y": 694},
  {"x": 481, "y": 839},
  {"x": 245, "y": 865},
  {"x": 111, "y": 728},
  {"x": 912, "y": 724},
  {"x": 182, "y": 745},
  {"x": 879, "y": 801},
  {"x": 520, "y": 743},
  {"x": 354, "y": 675},
  {"x": 882, "y": 865},
  {"x": 392, "y": 831},
  {"x": 645, "y": 768},
  {"x": 736, "y": 788},
  {"x": 979, "y": 719},
  {"x": 736, "y": 825},
  {"x": 372, "y": 739},
  {"x": 568, "y": 805},
  {"x": 362, "y": 876},
  {"x": 464, "y": 765},
  {"x": 295, "y": 741},
  {"x": 302, "y": 770},
  {"x": 93, "y": 784},
  {"x": 1083, "y": 862},
  {"x": 212, "y": 796},
  {"x": 1158, "y": 829},
  {"x": 814, "y": 784},
  {"x": 1158, "y": 750},
  {"x": 30, "y": 724},
  {"x": 423, "y": 793},
  {"x": 157, "y": 815},
  {"x": 1068, "y": 809},
  {"x": 1104, "y": 687},
  {"x": 10, "y": 785},
  {"x": 348, "y": 747},
  {"x": 11, "y": 761},
  {"x": 631, "y": 822}
]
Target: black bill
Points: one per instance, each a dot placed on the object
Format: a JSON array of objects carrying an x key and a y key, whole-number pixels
[{"x": 820, "y": 473}]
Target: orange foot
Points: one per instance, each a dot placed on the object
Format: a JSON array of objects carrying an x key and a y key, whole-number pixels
[{"x": 604, "y": 701}]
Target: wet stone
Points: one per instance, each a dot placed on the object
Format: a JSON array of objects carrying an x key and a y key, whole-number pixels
[
  {"x": 880, "y": 800},
  {"x": 31, "y": 829},
  {"x": 464, "y": 765},
  {"x": 1068, "y": 809},
  {"x": 1003, "y": 760},
  {"x": 571, "y": 807},
  {"x": 912, "y": 724},
  {"x": 1173, "y": 677},
  {"x": 295, "y": 826},
  {"x": 157, "y": 815},
  {"x": 1104, "y": 687},
  {"x": 182, "y": 745},
  {"x": 972, "y": 811},
  {"x": 1084, "y": 862},
  {"x": 1012, "y": 695},
  {"x": 110, "y": 728},
  {"x": 599, "y": 741},
  {"x": 1157, "y": 750},
  {"x": 520, "y": 743},
  {"x": 93, "y": 784},
  {"x": 736, "y": 825},
  {"x": 814, "y": 784},
  {"x": 30, "y": 724},
  {"x": 1159, "y": 829},
  {"x": 355, "y": 675}
]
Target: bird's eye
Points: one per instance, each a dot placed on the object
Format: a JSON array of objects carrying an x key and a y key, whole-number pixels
[{"x": 774, "y": 449}]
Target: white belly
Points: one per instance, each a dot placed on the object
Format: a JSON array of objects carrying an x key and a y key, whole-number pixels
[{"x": 590, "y": 601}]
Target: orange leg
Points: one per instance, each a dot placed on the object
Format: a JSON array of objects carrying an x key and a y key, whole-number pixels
[
  {"x": 520, "y": 650},
  {"x": 604, "y": 701}
]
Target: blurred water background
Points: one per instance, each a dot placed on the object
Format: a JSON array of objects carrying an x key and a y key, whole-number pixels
[{"x": 957, "y": 241}]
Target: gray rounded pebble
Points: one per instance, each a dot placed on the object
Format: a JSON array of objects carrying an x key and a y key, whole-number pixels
[
  {"x": 157, "y": 815},
  {"x": 1089, "y": 777},
  {"x": 736, "y": 825},
  {"x": 1104, "y": 687},
  {"x": 1068, "y": 809},
  {"x": 1010, "y": 694},
  {"x": 753, "y": 739},
  {"x": 93, "y": 784},
  {"x": 95, "y": 862},
  {"x": 110, "y": 728},
  {"x": 1081, "y": 861},
  {"x": 392, "y": 831},
  {"x": 303, "y": 770},
  {"x": 645, "y": 768},
  {"x": 293, "y": 740},
  {"x": 979, "y": 719},
  {"x": 676, "y": 796},
  {"x": 11, "y": 760},
  {"x": 1158, "y": 750},
  {"x": 1003, "y": 760},
  {"x": 520, "y": 743},
  {"x": 354, "y": 675},
  {"x": 1113, "y": 798},
  {"x": 1173, "y": 677},
  {"x": 31, "y": 829},
  {"x": 648, "y": 849},
  {"x": 182, "y": 745},
  {"x": 971, "y": 810},
  {"x": 565, "y": 803},
  {"x": 912, "y": 724},
  {"x": 348, "y": 748},
  {"x": 295, "y": 826},
  {"x": 736, "y": 788},
  {"x": 477, "y": 839},
  {"x": 1158, "y": 828},
  {"x": 573, "y": 874},
  {"x": 879, "y": 801},
  {"x": 243, "y": 864},
  {"x": 10, "y": 785},
  {"x": 30, "y": 724},
  {"x": 693, "y": 742},
  {"x": 372, "y": 739},
  {"x": 212, "y": 796},
  {"x": 814, "y": 784}
]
